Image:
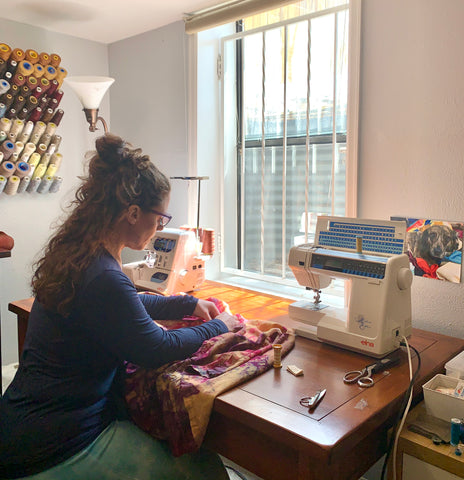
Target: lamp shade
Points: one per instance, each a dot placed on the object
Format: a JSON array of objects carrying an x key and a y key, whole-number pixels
[{"x": 89, "y": 90}]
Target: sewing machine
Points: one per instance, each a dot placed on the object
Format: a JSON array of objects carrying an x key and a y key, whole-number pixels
[
  {"x": 172, "y": 266},
  {"x": 368, "y": 254}
]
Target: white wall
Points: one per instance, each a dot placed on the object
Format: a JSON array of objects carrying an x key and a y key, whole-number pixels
[
  {"x": 411, "y": 132},
  {"x": 28, "y": 217}
]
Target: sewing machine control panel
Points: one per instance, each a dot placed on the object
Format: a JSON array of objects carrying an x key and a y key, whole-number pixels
[{"x": 377, "y": 237}]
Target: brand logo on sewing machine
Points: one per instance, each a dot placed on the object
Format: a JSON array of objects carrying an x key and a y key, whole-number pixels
[{"x": 366, "y": 343}]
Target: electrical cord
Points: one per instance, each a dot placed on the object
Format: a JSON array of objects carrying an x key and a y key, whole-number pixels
[{"x": 403, "y": 411}]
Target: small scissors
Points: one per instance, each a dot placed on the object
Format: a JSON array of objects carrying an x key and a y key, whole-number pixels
[
  {"x": 364, "y": 377},
  {"x": 312, "y": 402}
]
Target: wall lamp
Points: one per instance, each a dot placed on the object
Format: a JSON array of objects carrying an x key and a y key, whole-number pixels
[{"x": 90, "y": 91}]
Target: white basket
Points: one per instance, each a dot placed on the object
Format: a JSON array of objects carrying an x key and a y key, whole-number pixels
[
  {"x": 439, "y": 404},
  {"x": 455, "y": 367}
]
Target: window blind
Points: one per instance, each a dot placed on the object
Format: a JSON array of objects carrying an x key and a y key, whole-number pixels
[{"x": 228, "y": 12}]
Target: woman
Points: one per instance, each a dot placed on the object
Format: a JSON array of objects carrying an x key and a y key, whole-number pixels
[{"x": 62, "y": 417}]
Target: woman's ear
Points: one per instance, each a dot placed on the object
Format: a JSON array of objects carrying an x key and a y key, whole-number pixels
[{"x": 133, "y": 214}]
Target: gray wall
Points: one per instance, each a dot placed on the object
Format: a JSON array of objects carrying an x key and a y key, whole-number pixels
[{"x": 149, "y": 105}]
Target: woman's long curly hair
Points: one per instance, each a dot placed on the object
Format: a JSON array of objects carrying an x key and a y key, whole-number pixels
[{"x": 118, "y": 176}]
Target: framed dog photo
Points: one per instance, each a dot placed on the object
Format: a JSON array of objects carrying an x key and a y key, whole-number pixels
[{"x": 434, "y": 248}]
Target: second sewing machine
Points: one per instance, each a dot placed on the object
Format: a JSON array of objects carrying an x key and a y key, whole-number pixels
[{"x": 369, "y": 255}]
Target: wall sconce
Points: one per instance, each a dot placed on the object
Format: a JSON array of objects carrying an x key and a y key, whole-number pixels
[{"x": 90, "y": 91}]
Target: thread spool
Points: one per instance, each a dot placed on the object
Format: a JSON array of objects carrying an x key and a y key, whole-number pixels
[
  {"x": 19, "y": 103},
  {"x": 56, "y": 139},
  {"x": 31, "y": 102},
  {"x": 58, "y": 95},
  {"x": 22, "y": 169},
  {"x": 29, "y": 149},
  {"x": 14, "y": 158},
  {"x": 37, "y": 91},
  {"x": 45, "y": 140},
  {"x": 45, "y": 184},
  {"x": 11, "y": 68},
  {"x": 7, "y": 99},
  {"x": 51, "y": 149},
  {"x": 208, "y": 241},
  {"x": 53, "y": 87},
  {"x": 51, "y": 170},
  {"x": 277, "y": 355},
  {"x": 50, "y": 129},
  {"x": 34, "y": 159},
  {"x": 31, "y": 56},
  {"x": 57, "y": 116},
  {"x": 25, "y": 91},
  {"x": 24, "y": 136},
  {"x": 17, "y": 127},
  {"x": 47, "y": 115},
  {"x": 50, "y": 72},
  {"x": 7, "y": 148},
  {"x": 39, "y": 171},
  {"x": 12, "y": 137},
  {"x": 18, "y": 79},
  {"x": 44, "y": 59},
  {"x": 2, "y": 109},
  {"x": 12, "y": 185},
  {"x": 455, "y": 431},
  {"x": 41, "y": 148},
  {"x": 3, "y": 137},
  {"x": 18, "y": 148},
  {"x": 11, "y": 113},
  {"x": 3, "y": 181},
  {"x": 61, "y": 74},
  {"x": 5, "y": 124},
  {"x": 25, "y": 68},
  {"x": 3, "y": 67},
  {"x": 44, "y": 83},
  {"x": 39, "y": 128},
  {"x": 56, "y": 184},
  {"x": 22, "y": 115},
  {"x": 23, "y": 184},
  {"x": 1, "y": 157},
  {"x": 14, "y": 89},
  {"x": 45, "y": 159},
  {"x": 7, "y": 169},
  {"x": 56, "y": 159},
  {"x": 55, "y": 60},
  {"x": 38, "y": 70},
  {"x": 17, "y": 54},
  {"x": 5, "y": 51},
  {"x": 35, "y": 115},
  {"x": 33, "y": 185},
  {"x": 4, "y": 86}
]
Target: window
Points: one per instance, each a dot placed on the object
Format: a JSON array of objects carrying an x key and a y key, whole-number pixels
[{"x": 286, "y": 92}]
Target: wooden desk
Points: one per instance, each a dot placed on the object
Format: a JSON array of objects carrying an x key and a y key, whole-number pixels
[
  {"x": 423, "y": 448},
  {"x": 261, "y": 426}
]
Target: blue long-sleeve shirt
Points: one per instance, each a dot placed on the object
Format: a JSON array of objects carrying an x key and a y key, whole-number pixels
[{"x": 63, "y": 394}]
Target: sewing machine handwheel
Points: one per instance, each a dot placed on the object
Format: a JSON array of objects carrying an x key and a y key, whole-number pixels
[{"x": 404, "y": 279}]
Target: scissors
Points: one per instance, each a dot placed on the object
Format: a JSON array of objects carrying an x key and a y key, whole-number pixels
[
  {"x": 313, "y": 401},
  {"x": 364, "y": 377}
]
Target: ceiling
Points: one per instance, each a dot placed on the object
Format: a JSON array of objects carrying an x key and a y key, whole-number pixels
[{"x": 104, "y": 21}]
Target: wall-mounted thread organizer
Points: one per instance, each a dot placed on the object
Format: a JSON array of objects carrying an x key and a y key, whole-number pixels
[{"x": 30, "y": 95}]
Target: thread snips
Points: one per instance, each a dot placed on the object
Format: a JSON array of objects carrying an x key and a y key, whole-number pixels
[{"x": 313, "y": 401}]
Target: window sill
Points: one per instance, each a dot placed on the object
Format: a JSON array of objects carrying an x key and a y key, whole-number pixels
[{"x": 286, "y": 291}]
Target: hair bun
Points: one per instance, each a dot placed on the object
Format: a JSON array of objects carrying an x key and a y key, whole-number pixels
[{"x": 110, "y": 148}]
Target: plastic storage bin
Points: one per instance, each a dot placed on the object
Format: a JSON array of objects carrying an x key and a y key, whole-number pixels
[
  {"x": 455, "y": 367},
  {"x": 439, "y": 404}
]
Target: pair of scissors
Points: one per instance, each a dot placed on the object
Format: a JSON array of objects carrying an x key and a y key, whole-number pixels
[{"x": 364, "y": 377}]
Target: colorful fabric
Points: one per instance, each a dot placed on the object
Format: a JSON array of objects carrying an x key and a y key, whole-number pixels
[{"x": 175, "y": 401}]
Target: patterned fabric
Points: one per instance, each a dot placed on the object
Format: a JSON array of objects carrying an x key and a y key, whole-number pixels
[{"x": 174, "y": 402}]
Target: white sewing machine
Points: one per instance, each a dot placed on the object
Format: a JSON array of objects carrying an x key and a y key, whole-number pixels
[
  {"x": 175, "y": 265},
  {"x": 368, "y": 253}
]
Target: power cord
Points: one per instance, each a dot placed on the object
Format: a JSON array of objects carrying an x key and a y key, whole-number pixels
[{"x": 403, "y": 411}]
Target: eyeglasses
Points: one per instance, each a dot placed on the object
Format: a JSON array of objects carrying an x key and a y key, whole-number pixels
[{"x": 164, "y": 218}]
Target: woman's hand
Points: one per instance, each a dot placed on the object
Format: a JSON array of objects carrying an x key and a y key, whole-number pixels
[
  {"x": 231, "y": 321},
  {"x": 206, "y": 310}
]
